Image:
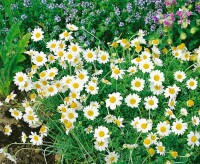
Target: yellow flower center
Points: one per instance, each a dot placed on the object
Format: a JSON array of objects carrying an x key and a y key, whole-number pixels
[
  {"x": 194, "y": 139},
  {"x": 144, "y": 126},
  {"x": 151, "y": 102},
  {"x": 81, "y": 76},
  {"x": 31, "y": 118},
  {"x": 66, "y": 34},
  {"x": 156, "y": 77},
  {"x": 71, "y": 115},
  {"x": 191, "y": 83},
  {"x": 112, "y": 99},
  {"x": 69, "y": 56},
  {"x": 137, "y": 83},
  {"x": 60, "y": 53},
  {"x": 146, "y": 66},
  {"x": 90, "y": 55},
  {"x": 90, "y": 113},
  {"x": 147, "y": 141},
  {"x": 179, "y": 126},
  {"x": 75, "y": 85},
  {"x": 179, "y": 76},
  {"x": 50, "y": 89},
  {"x": 74, "y": 48},
  {"x": 20, "y": 78},
  {"x": 91, "y": 88},
  {"x": 36, "y": 138},
  {"x": 37, "y": 35},
  {"x": 171, "y": 90},
  {"x": 53, "y": 45},
  {"x": 160, "y": 148},
  {"x": 103, "y": 57},
  {"x": 101, "y": 134},
  {"x": 101, "y": 143},
  {"x": 16, "y": 113},
  {"x": 132, "y": 101},
  {"x": 39, "y": 59},
  {"x": 116, "y": 71},
  {"x": 163, "y": 129}
]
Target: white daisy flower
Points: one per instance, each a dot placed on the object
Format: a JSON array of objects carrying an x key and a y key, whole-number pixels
[
  {"x": 20, "y": 78},
  {"x": 11, "y": 96},
  {"x": 169, "y": 113},
  {"x": 195, "y": 120},
  {"x": 156, "y": 89},
  {"x": 39, "y": 59},
  {"x": 114, "y": 100},
  {"x": 101, "y": 133},
  {"x": 37, "y": 34},
  {"x": 110, "y": 118},
  {"x": 60, "y": 54},
  {"x": 146, "y": 66},
  {"x": 147, "y": 142},
  {"x": 132, "y": 100},
  {"x": 151, "y": 102},
  {"x": 145, "y": 55},
  {"x": 112, "y": 157},
  {"x": 23, "y": 137},
  {"x": 137, "y": 84},
  {"x": 193, "y": 138},
  {"x": 135, "y": 122},
  {"x": 74, "y": 48},
  {"x": 52, "y": 45},
  {"x": 15, "y": 113},
  {"x": 136, "y": 61},
  {"x": 117, "y": 73},
  {"x": 163, "y": 128},
  {"x": 65, "y": 35},
  {"x": 89, "y": 129},
  {"x": 171, "y": 91},
  {"x": 71, "y": 115},
  {"x": 132, "y": 70},
  {"x": 72, "y": 27},
  {"x": 76, "y": 85},
  {"x": 89, "y": 55},
  {"x": 101, "y": 145},
  {"x": 91, "y": 112},
  {"x": 68, "y": 126},
  {"x": 35, "y": 139},
  {"x": 160, "y": 148},
  {"x": 184, "y": 112},
  {"x": 118, "y": 121},
  {"x": 157, "y": 77},
  {"x": 144, "y": 125},
  {"x": 185, "y": 56},
  {"x": 92, "y": 88},
  {"x": 43, "y": 130},
  {"x": 153, "y": 137},
  {"x": 103, "y": 57},
  {"x": 179, "y": 127},
  {"x": 7, "y": 130},
  {"x": 179, "y": 76},
  {"x": 191, "y": 84},
  {"x": 51, "y": 90}
]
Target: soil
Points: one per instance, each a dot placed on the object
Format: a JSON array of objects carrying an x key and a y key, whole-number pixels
[{"x": 28, "y": 154}]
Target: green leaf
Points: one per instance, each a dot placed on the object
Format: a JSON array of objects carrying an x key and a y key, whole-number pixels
[{"x": 23, "y": 43}]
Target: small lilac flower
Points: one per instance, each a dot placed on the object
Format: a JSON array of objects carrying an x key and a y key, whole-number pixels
[
  {"x": 169, "y": 3},
  {"x": 117, "y": 11},
  {"x": 121, "y": 24}
]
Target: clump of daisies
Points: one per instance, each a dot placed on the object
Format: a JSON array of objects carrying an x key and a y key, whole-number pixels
[{"x": 129, "y": 96}]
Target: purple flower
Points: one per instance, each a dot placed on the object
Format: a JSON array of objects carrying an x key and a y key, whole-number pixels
[
  {"x": 169, "y": 3},
  {"x": 117, "y": 11},
  {"x": 129, "y": 7},
  {"x": 121, "y": 24}
]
